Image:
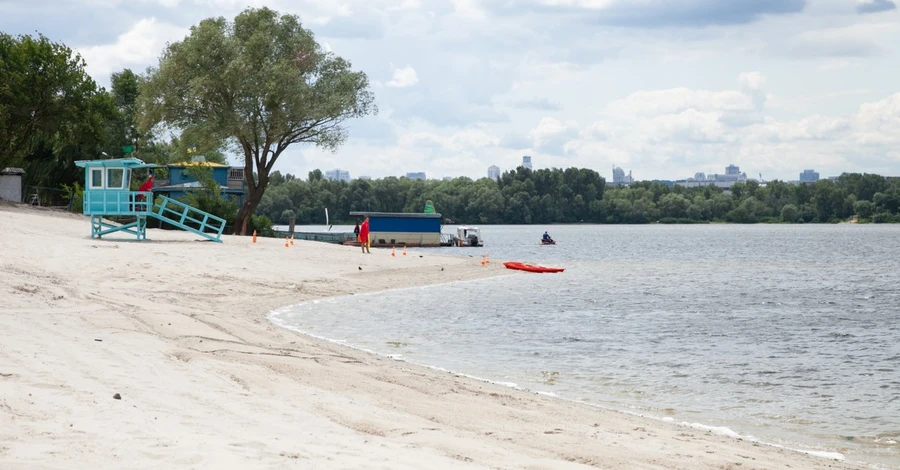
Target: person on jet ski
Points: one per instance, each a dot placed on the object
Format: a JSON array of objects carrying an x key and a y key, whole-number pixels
[{"x": 546, "y": 238}]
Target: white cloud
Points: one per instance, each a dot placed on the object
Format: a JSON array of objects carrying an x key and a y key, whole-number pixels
[
  {"x": 676, "y": 100},
  {"x": 469, "y": 10},
  {"x": 751, "y": 81},
  {"x": 403, "y": 77},
  {"x": 651, "y": 90},
  {"x": 552, "y": 135},
  {"x": 588, "y": 4},
  {"x": 139, "y": 47}
]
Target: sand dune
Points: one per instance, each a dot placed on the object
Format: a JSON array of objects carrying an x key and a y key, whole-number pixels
[{"x": 177, "y": 327}]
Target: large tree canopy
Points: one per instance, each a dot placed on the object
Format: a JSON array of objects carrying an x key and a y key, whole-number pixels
[
  {"x": 51, "y": 111},
  {"x": 263, "y": 83}
]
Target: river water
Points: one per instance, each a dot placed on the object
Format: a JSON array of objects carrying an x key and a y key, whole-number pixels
[{"x": 789, "y": 334}]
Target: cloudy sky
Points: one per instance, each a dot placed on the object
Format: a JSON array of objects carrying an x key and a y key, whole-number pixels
[{"x": 664, "y": 88}]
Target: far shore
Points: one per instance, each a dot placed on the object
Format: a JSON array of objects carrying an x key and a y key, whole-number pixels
[{"x": 160, "y": 355}]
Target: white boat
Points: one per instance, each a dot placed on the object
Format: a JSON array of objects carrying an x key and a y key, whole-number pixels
[{"x": 467, "y": 235}]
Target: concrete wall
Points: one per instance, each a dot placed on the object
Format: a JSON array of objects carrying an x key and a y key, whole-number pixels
[
  {"x": 408, "y": 238},
  {"x": 11, "y": 187}
]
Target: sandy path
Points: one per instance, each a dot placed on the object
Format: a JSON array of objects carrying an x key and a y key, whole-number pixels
[{"x": 178, "y": 328}]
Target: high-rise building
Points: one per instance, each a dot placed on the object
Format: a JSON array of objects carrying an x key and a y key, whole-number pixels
[
  {"x": 526, "y": 161},
  {"x": 494, "y": 172},
  {"x": 418, "y": 175},
  {"x": 619, "y": 176},
  {"x": 338, "y": 175},
  {"x": 809, "y": 176}
]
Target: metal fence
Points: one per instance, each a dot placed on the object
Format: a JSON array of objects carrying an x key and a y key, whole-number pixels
[{"x": 48, "y": 197}]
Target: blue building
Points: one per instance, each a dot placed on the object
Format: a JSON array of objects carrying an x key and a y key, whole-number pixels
[
  {"x": 402, "y": 228},
  {"x": 180, "y": 182}
]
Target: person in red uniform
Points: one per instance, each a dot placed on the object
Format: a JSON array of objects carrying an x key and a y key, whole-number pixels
[
  {"x": 364, "y": 236},
  {"x": 146, "y": 187}
]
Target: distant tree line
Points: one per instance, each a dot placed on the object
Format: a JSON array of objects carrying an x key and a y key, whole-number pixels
[{"x": 574, "y": 195}]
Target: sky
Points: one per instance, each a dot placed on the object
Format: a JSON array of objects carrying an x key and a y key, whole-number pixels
[{"x": 662, "y": 88}]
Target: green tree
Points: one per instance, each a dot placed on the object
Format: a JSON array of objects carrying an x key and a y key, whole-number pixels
[
  {"x": 122, "y": 131},
  {"x": 51, "y": 111},
  {"x": 790, "y": 213},
  {"x": 208, "y": 197},
  {"x": 673, "y": 205},
  {"x": 263, "y": 83},
  {"x": 864, "y": 209}
]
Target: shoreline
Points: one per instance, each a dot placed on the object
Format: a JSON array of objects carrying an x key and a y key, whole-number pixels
[
  {"x": 180, "y": 329},
  {"x": 718, "y": 430}
]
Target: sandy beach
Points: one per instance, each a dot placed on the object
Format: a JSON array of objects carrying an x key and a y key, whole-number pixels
[{"x": 177, "y": 328}]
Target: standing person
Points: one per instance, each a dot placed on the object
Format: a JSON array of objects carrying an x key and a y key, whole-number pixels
[
  {"x": 364, "y": 236},
  {"x": 356, "y": 232},
  {"x": 144, "y": 188}
]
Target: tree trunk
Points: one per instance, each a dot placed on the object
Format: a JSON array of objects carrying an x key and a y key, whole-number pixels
[
  {"x": 254, "y": 196},
  {"x": 255, "y": 189},
  {"x": 242, "y": 219}
]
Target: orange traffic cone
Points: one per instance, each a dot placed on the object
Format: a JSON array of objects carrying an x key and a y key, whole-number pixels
[
  {"x": 404, "y": 250},
  {"x": 393, "y": 252},
  {"x": 292, "y": 239},
  {"x": 487, "y": 258},
  {"x": 286, "y": 242},
  {"x": 482, "y": 260},
  {"x": 254, "y": 236}
]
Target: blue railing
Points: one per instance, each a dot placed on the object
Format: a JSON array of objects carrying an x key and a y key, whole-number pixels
[
  {"x": 112, "y": 203},
  {"x": 189, "y": 218}
]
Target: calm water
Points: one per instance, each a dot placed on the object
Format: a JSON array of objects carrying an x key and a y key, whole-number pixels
[{"x": 788, "y": 334}]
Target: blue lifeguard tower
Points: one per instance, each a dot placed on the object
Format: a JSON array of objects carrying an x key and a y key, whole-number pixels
[{"x": 107, "y": 193}]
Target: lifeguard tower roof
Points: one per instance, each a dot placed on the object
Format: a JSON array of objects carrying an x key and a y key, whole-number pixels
[{"x": 114, "y": 163}]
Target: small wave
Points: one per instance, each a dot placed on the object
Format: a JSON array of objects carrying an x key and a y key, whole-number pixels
[
  {"x": 572, "y": 339},
  {"x": 720, "y": 430},
  {"x": 841, "y": 335}
]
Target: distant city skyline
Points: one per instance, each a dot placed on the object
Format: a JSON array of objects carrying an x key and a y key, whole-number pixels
[{"x": 732, "y": 174}]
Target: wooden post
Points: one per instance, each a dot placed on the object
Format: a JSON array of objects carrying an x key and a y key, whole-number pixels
[{"x": 291, "y": 225}]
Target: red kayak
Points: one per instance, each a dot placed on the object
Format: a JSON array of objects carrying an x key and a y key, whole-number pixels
[{"x": 532, "y": 268}]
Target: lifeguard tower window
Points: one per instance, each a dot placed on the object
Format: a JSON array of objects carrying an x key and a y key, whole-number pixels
[
  {"x": 96, "y": 178},
  {"x": 115, "y": 178}
]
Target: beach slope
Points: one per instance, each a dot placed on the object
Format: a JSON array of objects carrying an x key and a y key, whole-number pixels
[{"x": 159, "y": 354}]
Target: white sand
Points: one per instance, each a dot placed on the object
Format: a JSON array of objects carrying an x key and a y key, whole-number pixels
[{"x": 178, "y": 327}]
